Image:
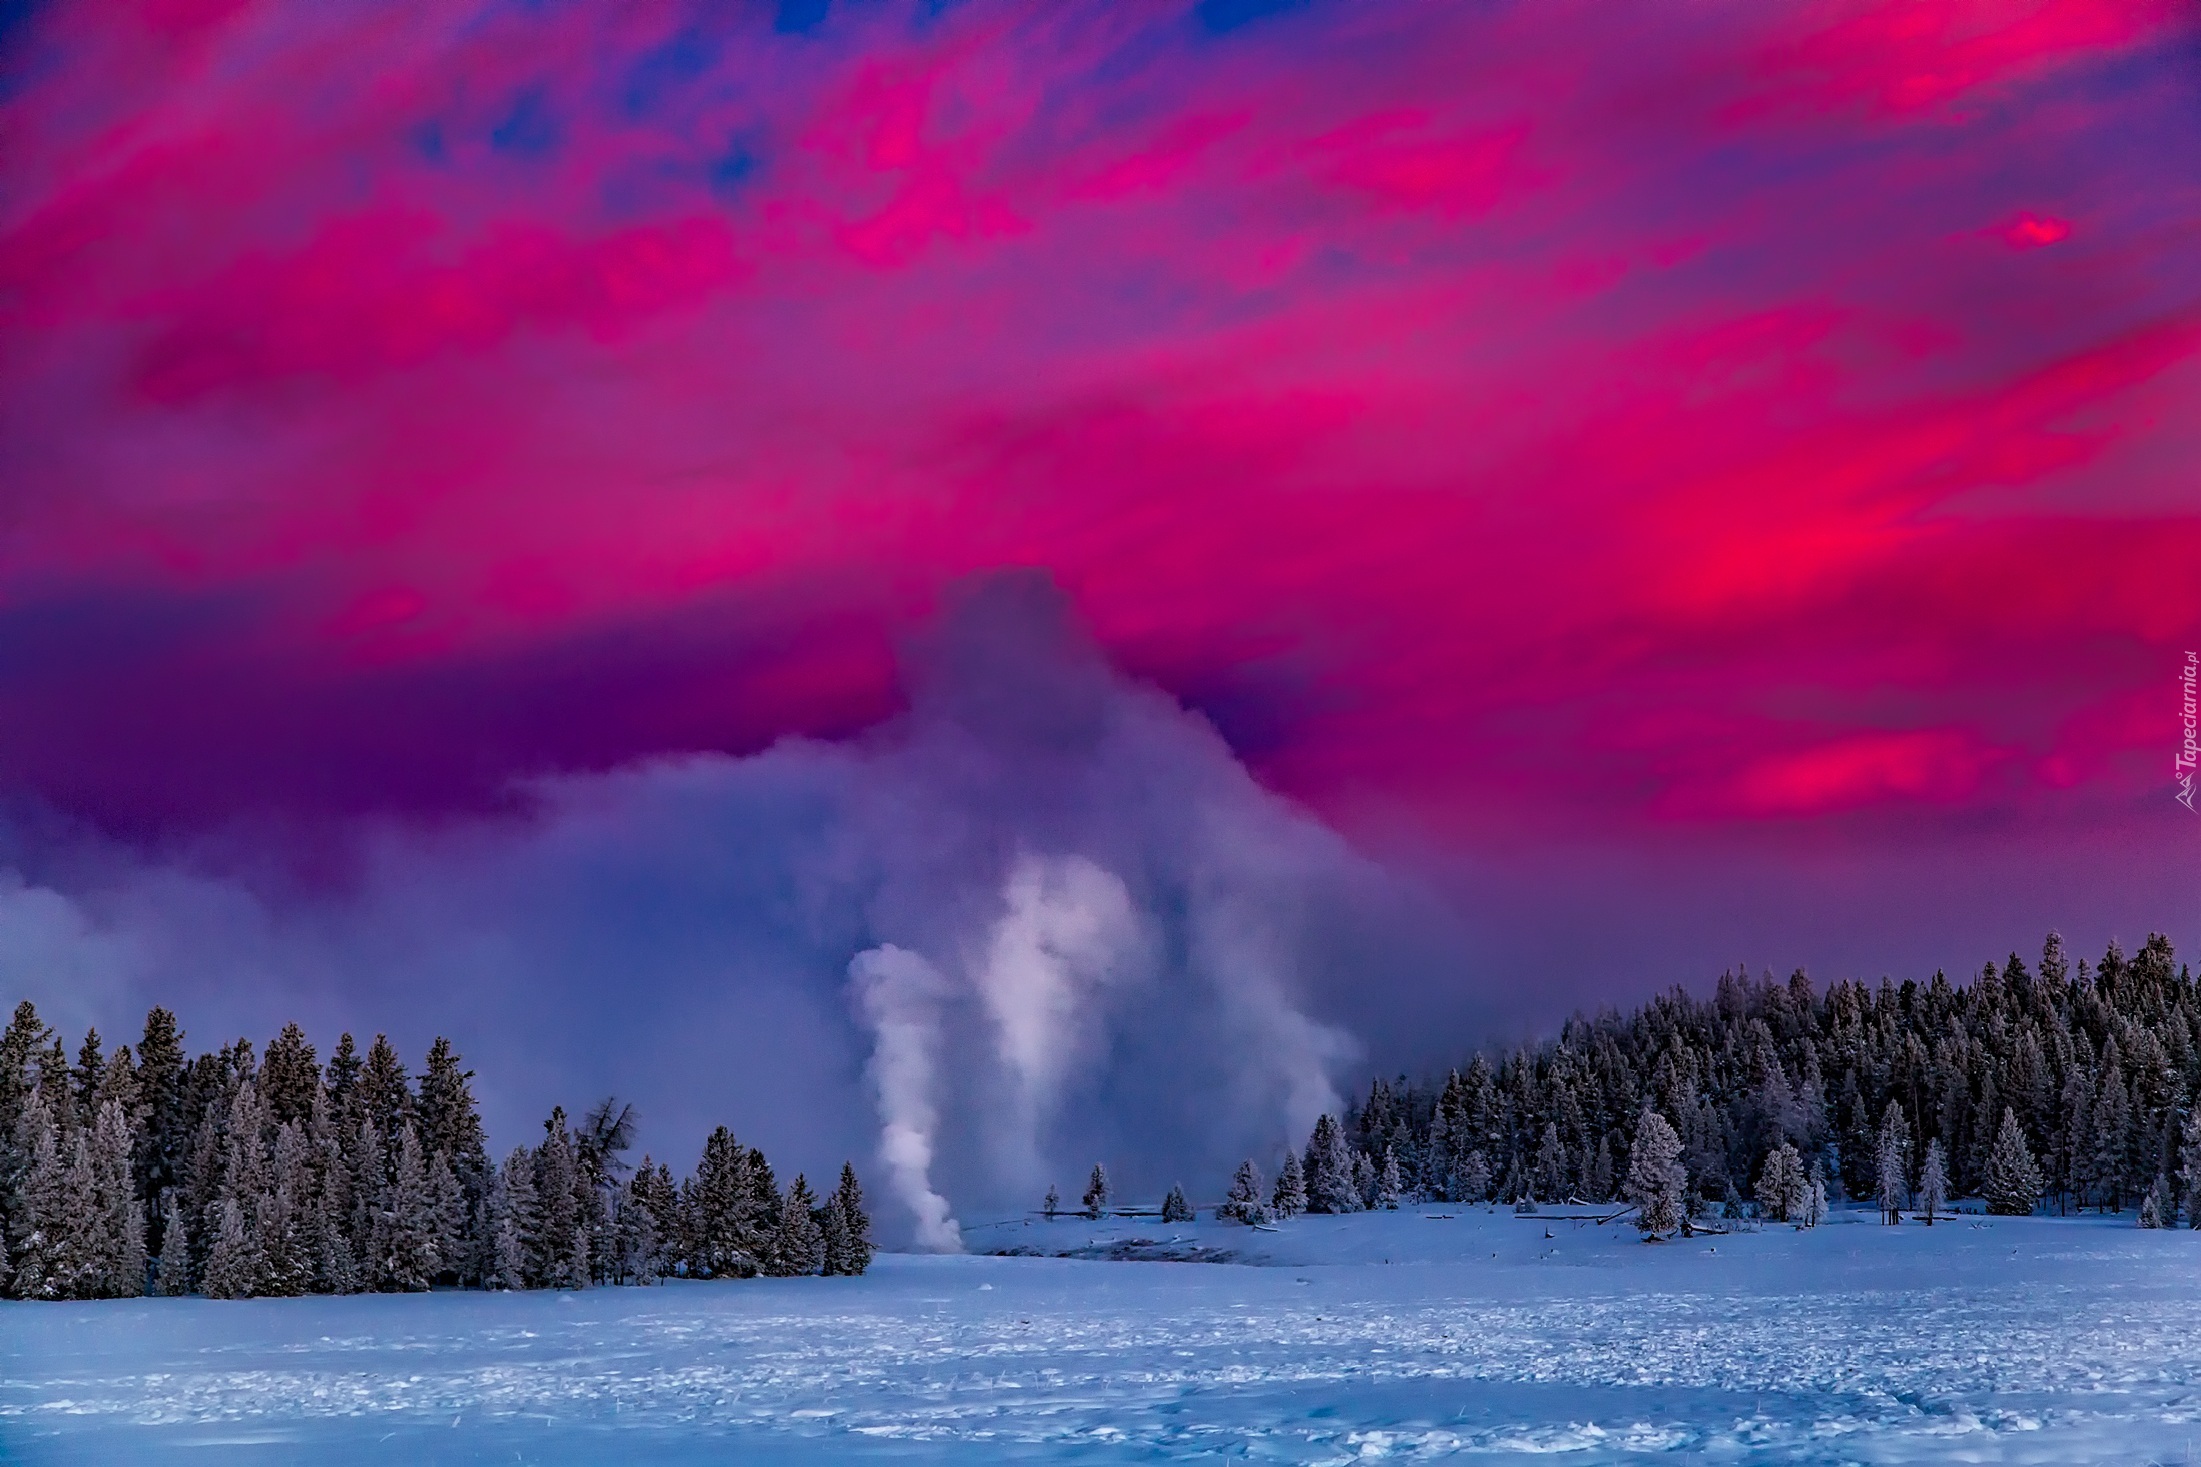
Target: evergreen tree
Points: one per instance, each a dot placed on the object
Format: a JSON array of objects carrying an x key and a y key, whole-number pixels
[
  {"x": 563, "y": 1261},
  {"x": 1051, "y": 1205},
  {"x": 383, "y": 1094},
  {"x": 286, "y": 1215},
  {"x": 173, "y": 1272},
  {"x": 290, "y": 1077},
  {"x": 848, "y": 1198},
  {"x": 1290, "y": 1197},
  {"x": 1472, "y": 1182},
  {"x": 798, "y": 1246},
  {"x": 2189, "y": 1167},
  {"x": 110, "y": 1153},
  {"x": 450, "y": 1121},
  {"x": 1243, "y": 1201},
  {"x": 1329, "y": 1169},
  {"x": 405, "y": 1257},
  {"x": 1655, "y": 1176},
  {"x": 1548, "y": 1182},
  {"x": 1096, "y": 1192},
  {"x": 513, "y": 1224},
  {"x": 2155, "y": 1206},
  {"x": 1933, "y": 1181},
  {"x": 233, "y": 1264},
  {"x": 722, "y": 1245},
  {"x": 1782, "y": 1189},
  {"x": 44, "y": 1249},
  {"x": 1174, "y": 1207},
  {"x": 25, "y": 1038},
  {"x": 1388, "y": 1183},
  {"x": 2013, "y": 1183},
  {"x": 1891, "y": 1184}
]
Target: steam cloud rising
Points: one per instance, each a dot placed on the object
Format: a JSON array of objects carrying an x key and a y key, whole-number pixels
[{"x": 1043, "y": 918}]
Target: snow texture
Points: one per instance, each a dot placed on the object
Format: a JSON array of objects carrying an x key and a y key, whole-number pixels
[{"x": 1415, "y": 1335}]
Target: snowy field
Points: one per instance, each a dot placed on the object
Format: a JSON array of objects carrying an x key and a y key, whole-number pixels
[{"x": 1392, "y": 1337}]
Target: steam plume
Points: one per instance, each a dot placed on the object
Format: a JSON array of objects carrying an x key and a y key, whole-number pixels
[{"x": 900, "y": 993}]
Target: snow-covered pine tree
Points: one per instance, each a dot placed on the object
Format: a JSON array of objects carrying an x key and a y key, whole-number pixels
[
  {"x": 2189, "y": 1167},
  {"x": 287, "y": 1221},
  {"x": 1364, "y": 1182},
  {"x": 44, "y": 1246},
  {"x": 1243, "y": 1202},
  {"x": 384, "y": 1095},
  {"x": 718, "y": 1202},
  {"x": 1471, "y": 1183},
  {"x": 2013, "y": 1183},
  {"x": 562, "y": 1262},
  {"x": 328, "y": 1202},
  {"x": 1602, "y": 1171},
  {"x": 1289, "y": 1197},
  {"x": 514, "y": 1222},
  {"x": 1329, "y": 1168},
  {"x": 1548, "y": 1179},
  {"x": 1096, "y": 1192},
  {"x": 2155, "y": 1205},
  {"x": 833, "y": 1229},
  {"x": 233, "y": 1269},
  {"x": 1891, "y": 1165},
  {"x": 1389, "y": 1185},
  {"x": 848, "y": 1199},
  {"x": 798, "y": 1246},
  {"x": 1781, "y": 1184},
  {"x": 450, "y": 1121},
  {"x": 160, "y": 1157},
  {"x": 1933, "y": 1181},
  {"x": 404, "y": 1255},
  {"x": 1051, "y": 1205},
  {"x": 290, "y": 1077},
  {"x": 1174, "y": 1207},
  {"x": 1655, "y": 1176},
  {"x": 112, "y": 1150},
  {"x": 367, "y": 1166},
  {"x": 172, "y": 1274}
]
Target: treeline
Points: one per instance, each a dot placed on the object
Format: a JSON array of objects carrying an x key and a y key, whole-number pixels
[
  {"x": 234, "y": 1175},
  {"x": 2067, "y": 1085}
]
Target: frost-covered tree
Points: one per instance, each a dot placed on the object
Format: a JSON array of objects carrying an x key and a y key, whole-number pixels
[
  {"x": 798, "y": 1244},
  {"x": 45, "y": 1249},
  {"x": 511, "y": 1222},
  {"x": 1052, "y": 1205},
  {"x": 2189, "y": 1167},
  {"x": 1364, "y": 1182},
  {"x": 1891, "y": 1166},
  {"x": 172, "y": 1274},
  {"x": 562, "y": 1261},
  {"x": 721, "y": 1242},
  {"x": 1289, "y": 1199},
  {"x": 1389, "y": 1184},
  {"x": 1329, "y": 1167},
  {"x": 233, "y": 1262},
  {"x": 1096, "y": 1192},
  {"x": 1782, "y": 1185},
  {"x": 1243, "y": 1202},
  {"x": 1655, "y": 1175},
  {"x": 1548, "y": 1179},
  {"x": 1471, "y": 1182},
  {"x": 1933, "y": 1181},
  {"x": 2156, "y": 1209},
  {"x": 2013, "y": 1182},
  {"x": 854, "y": 1247},
  {"x": 1174, "y": 1207},
  {"x": 405, "y": 1256}
]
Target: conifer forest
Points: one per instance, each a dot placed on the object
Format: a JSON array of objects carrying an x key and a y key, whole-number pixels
[
  {"x": 235, "y": 1175},
  {"x": 2060, "y": 1084}
]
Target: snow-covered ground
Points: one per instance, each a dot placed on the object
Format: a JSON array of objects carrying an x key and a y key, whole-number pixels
[{"x": 1395, "y": 1336}]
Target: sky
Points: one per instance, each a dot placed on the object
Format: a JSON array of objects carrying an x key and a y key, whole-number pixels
[{"x": 1668, "y": 486}]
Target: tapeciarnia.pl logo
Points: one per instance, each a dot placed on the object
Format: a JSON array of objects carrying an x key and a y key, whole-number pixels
[{"x": 2188, "y": 750}]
